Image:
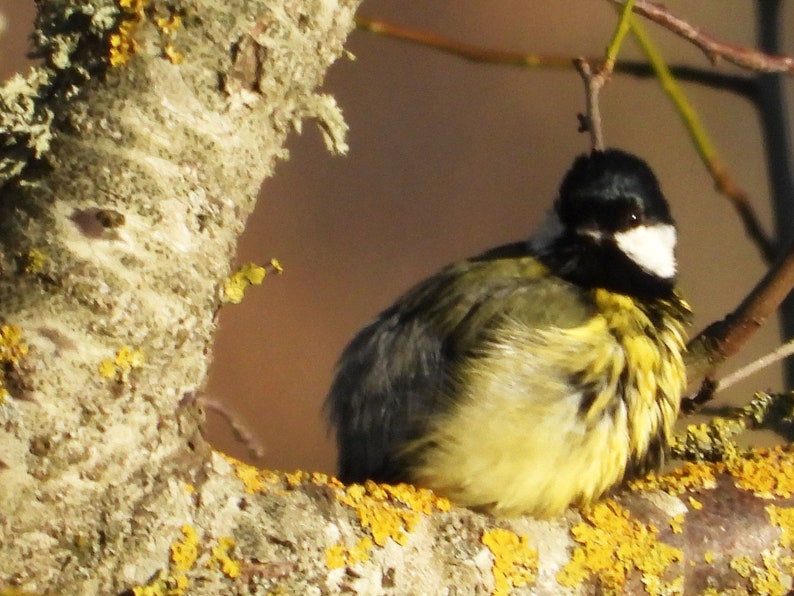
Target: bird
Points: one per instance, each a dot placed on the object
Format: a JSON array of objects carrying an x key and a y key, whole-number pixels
[{"x": 538, "y": 375}]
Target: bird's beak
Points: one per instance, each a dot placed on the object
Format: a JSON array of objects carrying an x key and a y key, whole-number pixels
[{"x": 592, "y": 233}]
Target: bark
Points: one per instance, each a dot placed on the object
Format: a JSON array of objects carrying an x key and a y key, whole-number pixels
[{"x": 124, "y": 190}]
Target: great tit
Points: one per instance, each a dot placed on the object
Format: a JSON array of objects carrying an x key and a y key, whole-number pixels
[{"x": 537, "y": 375}]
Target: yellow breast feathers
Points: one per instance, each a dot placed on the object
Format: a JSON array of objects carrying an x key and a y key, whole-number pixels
[{"x": 580, "y": 409}]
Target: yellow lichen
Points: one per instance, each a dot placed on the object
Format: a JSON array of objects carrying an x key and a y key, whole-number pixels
[
  {"x": 34, "y": 261},
  {"x": 783, "y": 518},
  {"x": 295, "y": 478},
  {"x": 338, "y": 555},
  {"x": 254, "y": 479},
  {"x": 515, "y": 563},
  {"x": 107, "y": 368},
  {"x": 709, "y": 557},
  {"x": 712, "y": 441},
  {"x": 324, "y": 479},
  {"x": 375, "y": 512},
  {"x": 385, "y": 521},
  {"x": 169, "y": 25},
  {"x": 12, "y": 350},
  {"x": 335, "y": 556},
  {"x": 120, "y": 366},
  {"x": 677, "y": 524},
  {"x": 612, "y": 544},
  {"x": 185, "y": 552},
  {"x": 122, "y": 43},
  {"x": 134, "y": 6},
  {"x": 687, "y": 477},
  {"x": 184, "y": 557},
  {"x": 695, "y": 504},
  {"x": 220, "y": 557},
  {"x": 249, "y": 274},
  {"x": 372, "y": 503},
  {"x": 768, "y": 473},
  {"x": 385, "y": 511},
  {"x": 178, "y": 585},
  {"x": 765, "y": 578},
  {"x": 156, "y": 587},
  {"x": 420, "y": 500},
  {"x": 174, "y": 56},
  {"x": 770, "y": 580},
  {"x": 359, "y": 553}
]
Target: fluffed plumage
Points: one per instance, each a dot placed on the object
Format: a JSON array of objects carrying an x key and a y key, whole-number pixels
[{"x": 536, "y": 375}]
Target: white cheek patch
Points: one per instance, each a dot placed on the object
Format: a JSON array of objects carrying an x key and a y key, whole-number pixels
[{"x": 651, "y": 247}]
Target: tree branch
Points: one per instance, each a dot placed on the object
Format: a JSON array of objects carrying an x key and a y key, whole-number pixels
[
  {"x": 713, "y": 48},
  {"x": 721, "y": 340},
  {"x": 595, "y": 79},
  {"x": 667, "y": 76},
  {"x": 741, "y": 85},
  {"x": 723, "y": 180}
]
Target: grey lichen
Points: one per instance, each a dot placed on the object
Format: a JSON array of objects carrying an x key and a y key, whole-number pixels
[
  {"x": 25, "y": 122},
  {"x": 69, "y": 54},
  {"x": 79, "y": 46},
  {"x": 276, "y": 38},
  {"x": 324, "y": 109}
]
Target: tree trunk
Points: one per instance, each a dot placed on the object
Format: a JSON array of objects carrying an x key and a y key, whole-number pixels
[{"x": 125, "y": 190}]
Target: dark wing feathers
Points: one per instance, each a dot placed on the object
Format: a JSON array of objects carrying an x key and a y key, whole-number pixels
[
  {"x": 391, "y": 377},
  {"x": 382, "y": 383}
]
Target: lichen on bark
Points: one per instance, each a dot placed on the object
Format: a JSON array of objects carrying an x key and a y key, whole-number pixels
[{"x": 94, "y": 464}]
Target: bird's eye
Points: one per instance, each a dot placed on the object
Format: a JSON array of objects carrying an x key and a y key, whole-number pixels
[
  {"x": 633, "y": 215},
  {"x": 630, "y": 219}
]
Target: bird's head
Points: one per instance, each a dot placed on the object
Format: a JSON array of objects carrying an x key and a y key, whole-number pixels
[{"x": 610, "y": 226}]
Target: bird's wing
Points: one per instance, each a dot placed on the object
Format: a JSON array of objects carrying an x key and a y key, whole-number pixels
[{"x": 396, "y": 373}]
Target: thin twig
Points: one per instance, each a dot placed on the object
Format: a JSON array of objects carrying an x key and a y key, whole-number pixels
[
  {"x": 741, "y": 85},
  {"x": 461, "y": 49},
  {"x": 721, "y": 340},
  {"x": 758, "y": 306},
  {"x": 593, "y": 83},
  {"x": 595, "y": 79},
  {"x": 622, "y": 29},
  {"x": 723, "y": 180},
  {"x": 776, "y": 355},
  {"x": 240, "y": 431},
  {"x": 713, "y": 48}
]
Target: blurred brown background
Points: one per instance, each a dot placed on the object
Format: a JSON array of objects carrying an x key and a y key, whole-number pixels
[{"x": 446, "y": 159}]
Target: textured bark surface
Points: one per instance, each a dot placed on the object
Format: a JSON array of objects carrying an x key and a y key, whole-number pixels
[
  {"x": 94, "y": 462},
  {"x": 124, "y": 190}
]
